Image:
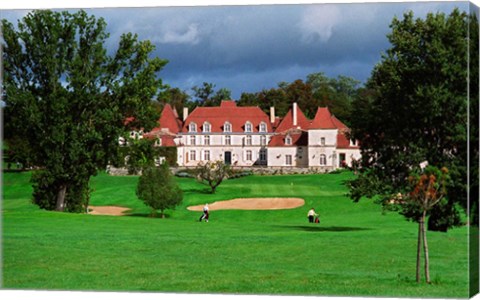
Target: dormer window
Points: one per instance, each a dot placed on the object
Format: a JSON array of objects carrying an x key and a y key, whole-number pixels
[
  {"x": 353, "y": 142},
  {"x": 248, "y": 127},
  {"x": 288, "y": 140},
  {"x": 158, "y": 142},
  {"x": 227, "y": 127},
  {"x": 192, "y": 127},
  {"x": 206, "y": 127},
  {"x": 262, "y": 127}
]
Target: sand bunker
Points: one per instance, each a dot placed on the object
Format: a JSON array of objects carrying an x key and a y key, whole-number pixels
[
  {"x": 252, "y": 204},
  {"x": 107, "y": 210}
]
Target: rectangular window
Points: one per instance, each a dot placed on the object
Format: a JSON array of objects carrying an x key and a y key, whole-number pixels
[
  {"x": 192, "y": 140},
  {"x": 288, "y": 160},
  {"x": 249, "y": 154},
  {"x": 193, "y": 155},
  {"x": 206, "y": 140},
  {"x": 322, "y": 141},
  {"x": 249, "y": 140},
  {"x": 263, "y": 140},
  {"x": 323, "y": 160},
  {"x": 228, "y": 140},
  {"x": 263, "y": 155},
  {"x": 206, "y": 155}
]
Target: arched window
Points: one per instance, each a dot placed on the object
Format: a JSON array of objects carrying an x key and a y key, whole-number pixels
[
  {"x": 206, "y": 127},
  {"x": 323, "y": 160},
  {"x": 262, "y": 127},
  {"x": 288, "y": 140},
  {"x": 227, "y": 127},
  {"x": 248, "y": 127},
  {"x": 192, "y": 127}
]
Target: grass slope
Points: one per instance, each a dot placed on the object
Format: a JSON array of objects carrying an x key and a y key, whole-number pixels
[{"x": 354, "y": 251}]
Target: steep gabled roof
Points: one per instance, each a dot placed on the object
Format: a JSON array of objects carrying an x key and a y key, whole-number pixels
[
  {"x": 339, "y": 123},
  {"x": 168, "y": 124},
  {"x": 287, "y": 122},
  {"x": 228, "y": 111},
  {"x": 323, "y": 120}
]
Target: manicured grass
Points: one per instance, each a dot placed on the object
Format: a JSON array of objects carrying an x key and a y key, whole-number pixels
[{"x": 356, "y": 250}]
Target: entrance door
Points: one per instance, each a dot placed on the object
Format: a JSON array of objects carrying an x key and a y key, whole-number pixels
[
  {"x": 228, "y": 158},
  {"x": 342, "y": 161}
]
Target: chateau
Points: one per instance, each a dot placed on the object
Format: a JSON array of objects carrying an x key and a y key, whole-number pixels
[{"x": 247, "y": 136}]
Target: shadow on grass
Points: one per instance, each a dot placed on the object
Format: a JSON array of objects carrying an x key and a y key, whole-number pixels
[
  {"x": 324, "y": 229},
  {"x": 147, "y": 215},
  {"x": 198, "y": 191}
]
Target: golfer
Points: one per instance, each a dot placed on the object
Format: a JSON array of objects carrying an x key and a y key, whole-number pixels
[
  {"x": 205, "y": 213},
  {"x": 311, "y": 215}
]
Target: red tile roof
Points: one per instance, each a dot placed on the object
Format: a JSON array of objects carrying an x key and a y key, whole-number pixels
[
  {"x": 168, "y": 126},
  {"x": 339, "y": 123},
  {"x": 299, "y": 138},
  {"x": 323, "y": 120},
  {"x": 287, "y": 122},
  {"x": 228, "y": 111}
]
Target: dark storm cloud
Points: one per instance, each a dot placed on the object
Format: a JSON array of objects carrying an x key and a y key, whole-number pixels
[{"x": 249, "y": 48}]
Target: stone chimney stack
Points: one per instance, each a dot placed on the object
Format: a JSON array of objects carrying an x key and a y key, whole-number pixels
[
  {"x": 294, "y": 113},
  {"x": 185, "y": 113},
  {"x": 272, "y": 114}
]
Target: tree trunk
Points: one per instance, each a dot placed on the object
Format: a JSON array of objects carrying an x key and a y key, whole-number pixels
[
  {"x": 419, "y": 248},
  {"x": 60, "y": 206},
  {"x": 425, "y": 248}
]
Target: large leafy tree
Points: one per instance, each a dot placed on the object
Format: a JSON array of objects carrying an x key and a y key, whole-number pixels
[
  {"x": 318, "y": 90},
  {"x": 414, "y": 109},
  {"x": 68, "y": 99}
]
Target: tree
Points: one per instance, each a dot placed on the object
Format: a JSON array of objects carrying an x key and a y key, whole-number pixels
[
  {"x": 425, "y": 190},
  {"x": 177, "y": 98},
  {"x": 69, "y": 100},
  {"x": 158, "y": 189},
  {"x": 206, "y": 95},
  {"x": 140, "y": 153},
  {"x": 212, "y": 173},
  {"x": 414, "y": 109}
]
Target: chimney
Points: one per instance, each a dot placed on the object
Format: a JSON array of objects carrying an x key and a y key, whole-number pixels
[
  {"x": 294, "y": 113},
  {"x": 272, "y": 114},
  {"x": 185, "y": 113}
]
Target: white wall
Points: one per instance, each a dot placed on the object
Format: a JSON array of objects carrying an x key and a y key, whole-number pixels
[
  {"x": 238, "y": 148},
  {"x": 277, "y": 156}
]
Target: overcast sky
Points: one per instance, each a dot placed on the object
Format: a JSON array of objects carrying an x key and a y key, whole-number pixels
[{"x": 250, "y": 48}]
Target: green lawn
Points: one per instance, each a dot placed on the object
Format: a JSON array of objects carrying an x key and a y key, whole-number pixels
[{"x": 356, "y": 250}]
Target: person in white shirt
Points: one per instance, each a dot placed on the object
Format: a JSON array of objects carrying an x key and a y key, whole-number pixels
[
  {"x": 205, "y": 213},
  {"x": 311, "y": 215}
]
